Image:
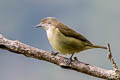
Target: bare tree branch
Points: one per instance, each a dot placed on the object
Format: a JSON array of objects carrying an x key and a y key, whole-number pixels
[{"x": 20, "y": 48}]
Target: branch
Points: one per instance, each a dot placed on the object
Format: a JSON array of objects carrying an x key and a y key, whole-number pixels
[
  {"x": 115, "y": 67},
  {"x": 28, "y": 51}
]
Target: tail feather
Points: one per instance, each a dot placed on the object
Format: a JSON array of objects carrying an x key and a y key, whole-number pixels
[{"x": 97, "y": 46}]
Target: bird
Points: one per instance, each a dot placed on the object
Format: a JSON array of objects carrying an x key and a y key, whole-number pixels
[{"x": 64, "y": 39}]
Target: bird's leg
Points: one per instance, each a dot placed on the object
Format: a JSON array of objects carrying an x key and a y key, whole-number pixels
[
  {"x": 54, "y": 53},
  {"x": 70, "y": 59},
  {"x": 71, "y": 56}
]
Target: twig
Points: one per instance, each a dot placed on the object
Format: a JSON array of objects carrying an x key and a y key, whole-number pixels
[{"x": 115, "y": 67}]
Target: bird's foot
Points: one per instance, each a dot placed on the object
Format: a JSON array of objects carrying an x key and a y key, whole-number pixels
[
  {"x": 69, "y": 60},
  {"x": 75, "y": 58},
  {"x": 54, "y": 53}
]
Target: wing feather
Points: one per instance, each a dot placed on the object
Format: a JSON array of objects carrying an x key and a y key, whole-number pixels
[{"x": 71, "y": 33}]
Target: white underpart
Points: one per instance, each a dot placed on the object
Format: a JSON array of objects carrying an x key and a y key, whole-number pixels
[{"x": 50, "y": 31}]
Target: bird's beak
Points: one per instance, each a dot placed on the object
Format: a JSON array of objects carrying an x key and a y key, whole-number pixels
[{"x": 38, "y": 25}]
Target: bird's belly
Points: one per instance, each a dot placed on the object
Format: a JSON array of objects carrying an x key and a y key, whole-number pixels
[{"x": 64, "y": 44}]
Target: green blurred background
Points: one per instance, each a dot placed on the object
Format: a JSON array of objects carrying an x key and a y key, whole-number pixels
[{"x": 98, "y": 20}]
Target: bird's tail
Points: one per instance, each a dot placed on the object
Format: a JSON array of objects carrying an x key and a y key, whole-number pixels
[{"x": 98, "y": 46}]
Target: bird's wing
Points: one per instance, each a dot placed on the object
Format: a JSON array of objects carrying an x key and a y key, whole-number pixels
[{"x": 71, "y": 33}]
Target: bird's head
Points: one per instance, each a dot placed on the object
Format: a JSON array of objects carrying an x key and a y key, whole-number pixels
[{"x": 48, "y": 22}]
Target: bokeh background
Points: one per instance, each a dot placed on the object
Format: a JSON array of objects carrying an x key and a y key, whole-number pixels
[{"x": 98, "y": 20}]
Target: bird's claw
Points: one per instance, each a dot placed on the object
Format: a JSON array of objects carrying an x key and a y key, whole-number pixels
[
  {"x": 75, "y": 58},
  {"x": 69, "y": 60},
  {"x": 54, "y": 53}
]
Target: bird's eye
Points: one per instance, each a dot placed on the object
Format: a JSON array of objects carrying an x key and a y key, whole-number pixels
[{"x": 49, "y": 23}]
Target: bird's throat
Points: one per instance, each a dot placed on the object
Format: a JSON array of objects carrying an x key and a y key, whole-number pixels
[{"x": 50, "y": 32}]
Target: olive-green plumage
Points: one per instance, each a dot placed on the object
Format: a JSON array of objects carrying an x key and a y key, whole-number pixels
[{"x": 63, "y": 38}]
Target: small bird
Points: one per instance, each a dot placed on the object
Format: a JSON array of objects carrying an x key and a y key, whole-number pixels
[{"x": 64, "y": 39}]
